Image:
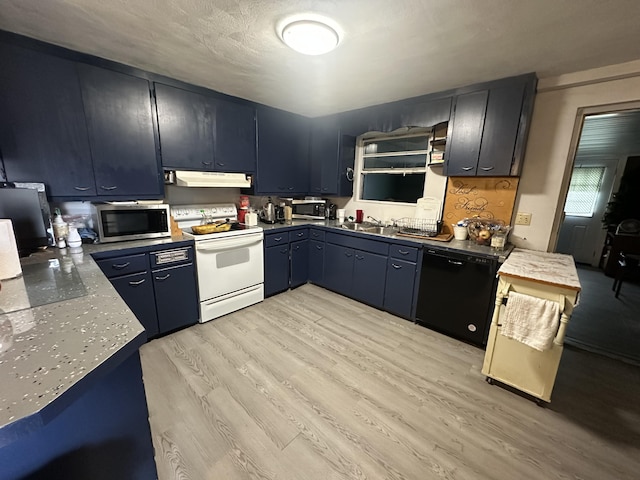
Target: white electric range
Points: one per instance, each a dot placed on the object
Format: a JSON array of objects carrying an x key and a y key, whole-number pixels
[{"x": 230, "y": 264}]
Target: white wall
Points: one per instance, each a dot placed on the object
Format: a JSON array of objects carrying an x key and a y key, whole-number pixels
[{"x": 548, "y": 157}]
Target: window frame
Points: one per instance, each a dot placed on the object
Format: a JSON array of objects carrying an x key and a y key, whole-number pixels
[
  {"x": 360, "y": 171},
  {"x": 602, "y": 170}
]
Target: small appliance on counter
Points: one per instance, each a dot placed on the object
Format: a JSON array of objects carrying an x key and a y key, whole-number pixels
[
  {"x": 309, "y": 208},
  {"x": 268, "y": 212},
  {"x": 330, "y": 211},
  {"x": 25, "y": 204},
  {"x": 119, "y": 221}
]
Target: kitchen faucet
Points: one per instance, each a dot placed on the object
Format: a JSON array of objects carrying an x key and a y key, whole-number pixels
[{"x": 374, "y": 220}]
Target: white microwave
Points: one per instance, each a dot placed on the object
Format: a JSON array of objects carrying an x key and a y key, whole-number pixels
[{"x": 117, "y": 223}]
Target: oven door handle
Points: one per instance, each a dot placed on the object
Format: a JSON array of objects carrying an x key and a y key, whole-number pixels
[{"x": 227, "y": 244}]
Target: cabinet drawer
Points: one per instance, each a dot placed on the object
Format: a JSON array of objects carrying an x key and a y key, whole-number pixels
[
  {"x": 366, "y": 245},
  {"x": 405, "y": 253},
  {"x": 296, "y": 235},
  {"x": 275, "y": 239},
  {"x": 115, "y": 267},
  {"x": 316, "y": 235}
]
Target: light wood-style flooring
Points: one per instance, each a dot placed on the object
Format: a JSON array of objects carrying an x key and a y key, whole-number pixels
[{"x": 312, "y": 385}]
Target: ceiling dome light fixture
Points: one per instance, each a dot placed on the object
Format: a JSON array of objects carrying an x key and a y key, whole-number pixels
[{"x": 310, "y": 37}]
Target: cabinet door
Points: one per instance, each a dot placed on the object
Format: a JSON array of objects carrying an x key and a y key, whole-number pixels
[
  {"x": 338, "y": 268},
  {"x": 369, "y": 277},
  {"x": 299, "y": 263},
  {"x": 43, "y": 134},
  {"x": 186, "y": 126},
  {"x": 235, "y": 141},
  {"x": 276, "y": 269},
  {"x": 176, "y": 297},
  {"x": 501, "y": 129},
  {"x": 398, "y": 292},
  {"x": 316, "y": 262},
  {"x": 324, "y": 151},
  {"x": 283, "y": 153},
  {"x": 463, "y": 145},
  {"x": 137, "y": 292},
  {"x": 121, "y": 133}
]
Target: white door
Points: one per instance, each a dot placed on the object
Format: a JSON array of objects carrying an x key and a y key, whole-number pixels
[{"x": 582, "y": 234}]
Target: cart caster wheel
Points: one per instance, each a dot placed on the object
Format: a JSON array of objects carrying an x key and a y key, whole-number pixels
[{"x": 489, "y": 380}]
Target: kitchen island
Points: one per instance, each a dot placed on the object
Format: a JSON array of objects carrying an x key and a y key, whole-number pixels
[{"x": 72, "y": 402}]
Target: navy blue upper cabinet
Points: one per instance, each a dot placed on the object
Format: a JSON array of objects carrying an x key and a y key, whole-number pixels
[
  {"x": 463, "y": 142},
  {"x": 43, "y": 135},
  {"x": 199, "y": 132},
  {"x": 331, "y": 158},
  {"x": 283, "y": 153},
  {"x": 121, "y": 133},
  {"x": 186, "y": 125},
  {"x": 235, "y": 137},
  {"x": 489, "y": 128}
]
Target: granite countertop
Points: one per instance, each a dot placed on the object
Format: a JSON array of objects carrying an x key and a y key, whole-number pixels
[
  {"x": 61, "y": 322},
  {"x": 547, "y": 268},
  {"x": 457, "y": 246}
]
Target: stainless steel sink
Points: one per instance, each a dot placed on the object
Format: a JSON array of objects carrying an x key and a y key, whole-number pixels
[{"x": 368, "y": 227}]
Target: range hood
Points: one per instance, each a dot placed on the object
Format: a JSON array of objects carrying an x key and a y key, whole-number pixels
[{"x": 208, "y": 179}]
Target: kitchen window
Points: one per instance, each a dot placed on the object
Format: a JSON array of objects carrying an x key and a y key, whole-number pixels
[
  {"x": 583, "y": 191},
  {"x": 392, "y": 168}
]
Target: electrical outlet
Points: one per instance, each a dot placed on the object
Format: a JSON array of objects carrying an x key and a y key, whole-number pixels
[{"x": 523, "y": 218}]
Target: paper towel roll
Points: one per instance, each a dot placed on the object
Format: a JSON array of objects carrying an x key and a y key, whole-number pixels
[{"x": 9, "y": 259}]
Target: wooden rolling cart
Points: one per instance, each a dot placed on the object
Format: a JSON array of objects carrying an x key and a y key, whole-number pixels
[{"x": 549, "y": 276}]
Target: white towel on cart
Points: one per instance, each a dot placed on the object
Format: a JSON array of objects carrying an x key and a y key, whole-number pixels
[{"x": 531, "y": 320}]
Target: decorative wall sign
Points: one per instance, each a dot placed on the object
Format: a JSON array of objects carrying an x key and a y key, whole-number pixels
[{"x": 490, "y": 198}]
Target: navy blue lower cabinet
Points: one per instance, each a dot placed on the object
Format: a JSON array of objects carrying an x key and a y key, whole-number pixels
[
  {"x": 103, "y": 435},
  {"x": 173, "y": 283},
  {"x": 299, "y": 263},
  {"x": 369, "y": 272},
  {"x": 338, "y": 268},
  {"x": 398, "y": 292},
  {"x": 276, "y": 269},
  {"x": 316, "y": 262},
  {"x": 137, "y": 292}
]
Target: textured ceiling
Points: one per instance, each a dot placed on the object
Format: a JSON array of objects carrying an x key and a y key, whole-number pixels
[{"x": 390, "y": 50}]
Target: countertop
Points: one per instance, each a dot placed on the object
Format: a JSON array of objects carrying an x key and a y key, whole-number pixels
[
  {"x": 61, "y": 324},
  {"x": 456, "y": 246},
  {"x": 554, "y": 269}
]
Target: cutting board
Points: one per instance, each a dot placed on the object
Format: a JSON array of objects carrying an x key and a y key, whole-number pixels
[{"x": 428, "y": 207}]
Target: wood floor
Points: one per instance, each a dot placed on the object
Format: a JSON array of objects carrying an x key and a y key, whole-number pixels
[{"x": 311, "y": 385}]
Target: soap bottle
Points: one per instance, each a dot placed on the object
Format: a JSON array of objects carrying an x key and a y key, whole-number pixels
[{"x": 60, "y": 229}]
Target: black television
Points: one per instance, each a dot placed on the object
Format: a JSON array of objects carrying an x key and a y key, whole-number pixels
[{"x": 22, "y": 206}]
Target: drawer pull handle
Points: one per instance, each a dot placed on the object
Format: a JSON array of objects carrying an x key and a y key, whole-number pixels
[
  {"x": 112, "y": 187},
  {"x": 397, "y": 267},
  {"x": 347, "y": 254},
  {"x": 120, "y": 266},
  {"x": 277, "y": 239},
  {"x": 318, "y": 247},
  {"x": 207, "y": 164},
  {"x": 222, "y": 164},
  {"x": 403, "y": 252},
  {"x": 163, "y": 278},
  {"x": 81, "y": 189},
  {"x": 466, "y": 169},
  {"x": 290, "y": 188},
  {"x": 284, "y": 251},
  {"x": 359, "y": 257},
  {"x": 139, "y": 282},
  {"x": 301, "y": 234},
  {"x": 486, "y": 169}
]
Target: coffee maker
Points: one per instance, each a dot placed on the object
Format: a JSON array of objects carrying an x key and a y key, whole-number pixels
[{"x": 280, "y": 213}]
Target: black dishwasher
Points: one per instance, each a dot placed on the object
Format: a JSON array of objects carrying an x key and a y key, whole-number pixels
[{"x": 457, "y": 293}]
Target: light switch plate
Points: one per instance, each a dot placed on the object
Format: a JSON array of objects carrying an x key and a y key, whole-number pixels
[{"x": 523, "y": 218}]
